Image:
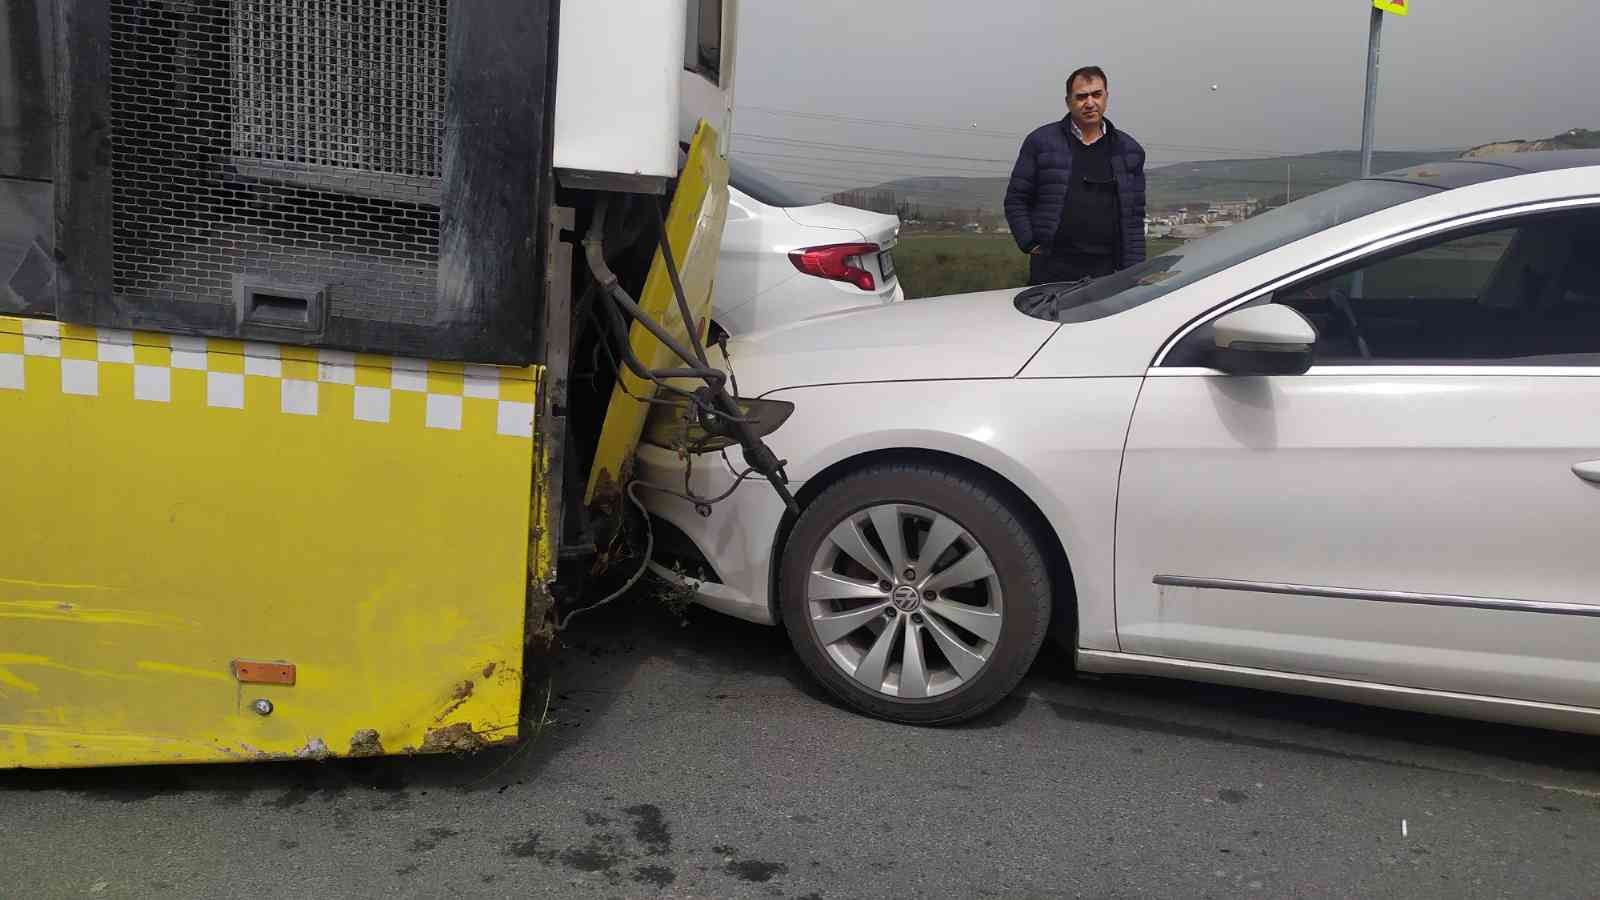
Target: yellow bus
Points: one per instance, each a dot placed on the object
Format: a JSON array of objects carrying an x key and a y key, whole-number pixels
[{"x": 326, "y": 333}]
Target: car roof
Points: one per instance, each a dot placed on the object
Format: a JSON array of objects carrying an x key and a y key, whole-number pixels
[{"x": 1456, "y": 173}]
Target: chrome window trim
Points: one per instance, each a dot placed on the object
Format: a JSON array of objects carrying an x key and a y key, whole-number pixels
[
  {"x": 1378, "y": 246},
  {"x": 1397, "y": 371},
  {"x": 1457, "y": 601}
]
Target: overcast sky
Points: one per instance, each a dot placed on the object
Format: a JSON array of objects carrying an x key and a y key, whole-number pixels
[{"x": 1290, "y": 75}]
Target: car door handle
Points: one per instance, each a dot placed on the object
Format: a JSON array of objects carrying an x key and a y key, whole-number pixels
[{"x": 1588, "y": 471}]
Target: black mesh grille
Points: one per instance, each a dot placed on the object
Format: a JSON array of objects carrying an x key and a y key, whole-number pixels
[{"x": 278, "y": 143}]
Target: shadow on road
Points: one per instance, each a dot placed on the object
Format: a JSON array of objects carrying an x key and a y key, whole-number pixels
[
  {"x": 594, "y": 663},
  {"x": 1232, "y": 715},
  {"x": 598, "y": 661}
]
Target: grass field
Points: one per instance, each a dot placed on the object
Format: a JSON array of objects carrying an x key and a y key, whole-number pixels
[{"x": 934, "y": 265}]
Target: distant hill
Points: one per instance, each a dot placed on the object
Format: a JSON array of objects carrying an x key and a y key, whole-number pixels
[
  {"x": 1237, "y": 179},
  {"x": 1174, "y": 185},
  {"x": 1576, "y": 139}
]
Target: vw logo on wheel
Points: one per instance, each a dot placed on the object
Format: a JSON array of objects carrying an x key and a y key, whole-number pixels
[{"x": 905, "y": 598}]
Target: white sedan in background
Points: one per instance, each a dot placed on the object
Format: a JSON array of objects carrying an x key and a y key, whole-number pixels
[
  {"x": 1348, "y": 448},
  {"x": 786, "y": 258}
]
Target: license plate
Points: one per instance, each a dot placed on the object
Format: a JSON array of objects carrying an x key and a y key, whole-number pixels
[{"x": 886, "y": 264}]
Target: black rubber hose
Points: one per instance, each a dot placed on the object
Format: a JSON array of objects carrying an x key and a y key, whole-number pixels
[
  {"x": 677, "y": 287},
  {"x": 756, "y": 452}
]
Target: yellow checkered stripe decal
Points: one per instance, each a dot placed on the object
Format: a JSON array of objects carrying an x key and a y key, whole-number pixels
[{"x": 40, "y": 354}]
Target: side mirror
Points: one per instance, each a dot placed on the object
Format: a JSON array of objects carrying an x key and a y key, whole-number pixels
[{"x": 1264, "y": 340}]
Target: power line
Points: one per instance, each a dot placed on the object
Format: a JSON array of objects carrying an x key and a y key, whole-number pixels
[
  {"x": 856, "y": 148},
  {"x": 798, "y": 143},
  {"x": 920, "y": 197},
  {"x": 886, "y": 123},
  {"x": 856, "y": 177},
  {"x": 854, "y": 171},
  {"x": 824, "y": 176},
  {"x": 933, "y": 169},
  {"x": 825, "y": 188},
  {"x": 878, "y": 181},
  {"x": 765, "y": 154},
  {"x": 844, "y": 185},
  {"x": 982, "y": 132}
]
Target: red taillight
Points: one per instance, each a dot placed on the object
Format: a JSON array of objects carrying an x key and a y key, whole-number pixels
[{"x": 833, "y": 263}]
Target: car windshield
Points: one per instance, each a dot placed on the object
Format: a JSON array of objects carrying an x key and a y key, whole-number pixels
[
  {"x": 1083, "y": 301},
  {"x": 765, "y": 187}
]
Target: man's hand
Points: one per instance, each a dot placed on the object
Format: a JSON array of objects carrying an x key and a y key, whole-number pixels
[{"x": 1036, "y": 250}]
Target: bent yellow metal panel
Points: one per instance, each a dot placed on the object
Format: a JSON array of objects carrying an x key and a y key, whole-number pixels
[
  {"x": 175, "y": 504},
  {"x": 694, "y": 231}
]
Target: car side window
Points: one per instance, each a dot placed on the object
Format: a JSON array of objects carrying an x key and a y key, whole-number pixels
[{"x": 1523, "y": 292}]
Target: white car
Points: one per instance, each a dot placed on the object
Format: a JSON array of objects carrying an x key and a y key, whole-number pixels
[
  {"x": 785, "y": 258},
  {"x": 1348, "y": 448}
]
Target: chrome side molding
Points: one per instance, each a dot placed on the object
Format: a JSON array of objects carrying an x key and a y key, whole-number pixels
[{"x": 1341, "y": 593}]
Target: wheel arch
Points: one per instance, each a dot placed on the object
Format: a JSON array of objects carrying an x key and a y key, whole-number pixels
[{"x": 1063, "y": 601}]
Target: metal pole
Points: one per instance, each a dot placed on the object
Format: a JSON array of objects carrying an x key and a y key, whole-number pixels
[{"x": 1369, "y": 112}]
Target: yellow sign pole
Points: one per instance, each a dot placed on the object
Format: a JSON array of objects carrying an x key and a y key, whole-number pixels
[{"x": 1369, "y": 110}]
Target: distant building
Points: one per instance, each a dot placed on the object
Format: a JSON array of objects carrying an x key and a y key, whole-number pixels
[{"x": 1232, "y": 210}]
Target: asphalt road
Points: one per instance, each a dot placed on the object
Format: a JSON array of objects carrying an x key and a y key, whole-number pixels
[{"x": 699, "y": 760}]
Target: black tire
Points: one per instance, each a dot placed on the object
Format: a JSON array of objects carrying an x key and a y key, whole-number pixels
[{"x": 1018, "y": 567}]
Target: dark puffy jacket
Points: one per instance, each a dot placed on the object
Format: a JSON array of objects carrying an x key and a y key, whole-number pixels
[{"x": 1038, "y": 189}]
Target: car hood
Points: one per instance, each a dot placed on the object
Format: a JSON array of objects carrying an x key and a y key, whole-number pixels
[
  {"x": 957, "y": 337},
  {"x": 879, "y": 228}
]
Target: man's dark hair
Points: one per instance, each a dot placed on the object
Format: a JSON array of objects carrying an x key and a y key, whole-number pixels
[{"x": 1087, "y": 72}]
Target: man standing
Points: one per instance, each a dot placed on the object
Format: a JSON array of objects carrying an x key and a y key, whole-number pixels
[{"x": 1076, "y": 200}]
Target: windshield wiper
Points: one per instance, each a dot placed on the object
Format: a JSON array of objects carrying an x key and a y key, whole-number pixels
[{"x": 1042, "y": 305}]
